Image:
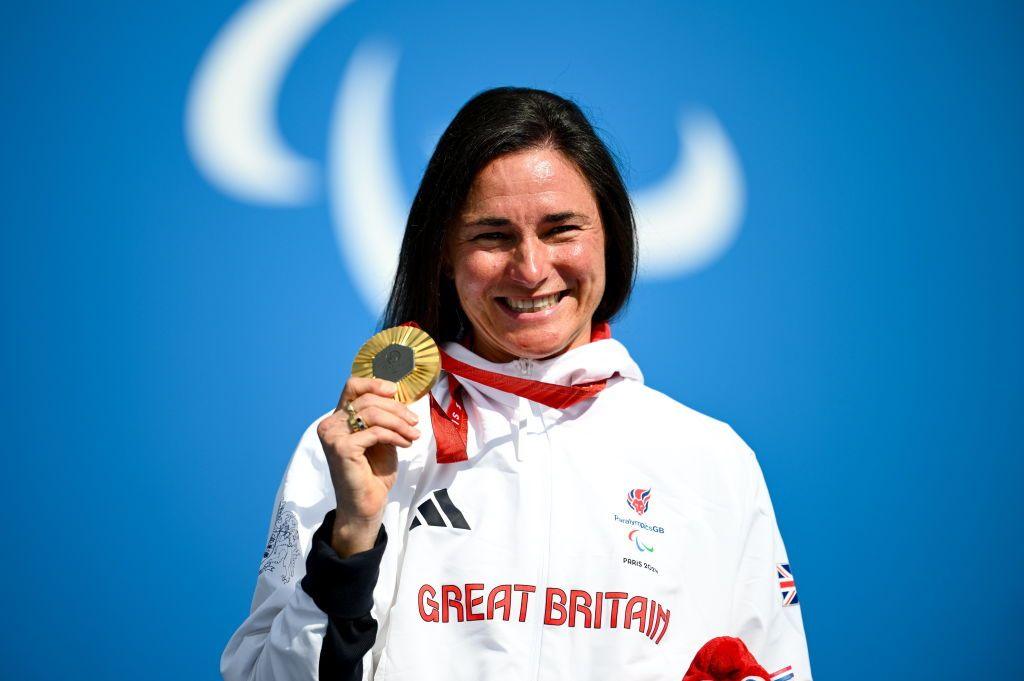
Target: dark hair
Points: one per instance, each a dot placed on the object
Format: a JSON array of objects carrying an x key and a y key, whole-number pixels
[{"x": 493, "y": 123}]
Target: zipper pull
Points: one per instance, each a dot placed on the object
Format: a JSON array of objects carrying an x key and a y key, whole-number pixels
[{"x": 525, "y": 364}]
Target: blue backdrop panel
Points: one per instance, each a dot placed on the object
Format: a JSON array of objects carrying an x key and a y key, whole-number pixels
[{"x": 166, "y": 339}]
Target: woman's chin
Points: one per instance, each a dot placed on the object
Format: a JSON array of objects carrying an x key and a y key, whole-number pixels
[
  {"x": 506, "y": 335},
  {"x": 536, "y": 344}
]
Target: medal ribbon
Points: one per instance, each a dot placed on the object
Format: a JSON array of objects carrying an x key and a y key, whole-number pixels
[{"x": 451, "y": 426}]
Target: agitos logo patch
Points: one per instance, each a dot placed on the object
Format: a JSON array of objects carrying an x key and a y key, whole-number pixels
[{"x": 637, "y": 537}]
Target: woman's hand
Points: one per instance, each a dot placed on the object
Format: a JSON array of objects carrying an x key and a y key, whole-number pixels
[{"x": 364, "y": 463}]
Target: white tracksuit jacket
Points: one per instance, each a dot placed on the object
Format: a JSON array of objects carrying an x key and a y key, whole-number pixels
[{"x": 537, "y": 558}]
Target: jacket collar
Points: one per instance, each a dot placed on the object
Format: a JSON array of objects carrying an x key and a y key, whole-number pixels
[{"x": 593, "y": 361}]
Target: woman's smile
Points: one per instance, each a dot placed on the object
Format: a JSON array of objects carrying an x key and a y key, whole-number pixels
[{"x": 523, "y": 307}]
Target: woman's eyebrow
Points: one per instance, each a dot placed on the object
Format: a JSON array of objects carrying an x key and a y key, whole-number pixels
[
  {"x": 489, "y": 221},
  {"x": 494, "y": 221},
  {"x": 565, "y": 215}
]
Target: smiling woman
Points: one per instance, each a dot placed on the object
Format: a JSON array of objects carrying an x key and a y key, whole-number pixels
[
  {"x": 523, "y": 173},
  {"x": 562, "y": 519}
]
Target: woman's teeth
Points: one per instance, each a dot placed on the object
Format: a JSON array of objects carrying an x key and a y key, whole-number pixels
[{"x": 532, "y": 304}]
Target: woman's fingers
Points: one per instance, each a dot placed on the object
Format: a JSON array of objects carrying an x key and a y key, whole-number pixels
[
  {"x": 356, "y": 386},
  {"x": 376, "y": 435},
  {"x": 366, "y": 401},
  {"x": 333, "y": 427},
  {"x": 379, "y": 416},
  {"x": 391, "y": 421}
]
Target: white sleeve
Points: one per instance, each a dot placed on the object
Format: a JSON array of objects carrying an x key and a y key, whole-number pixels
[
  {"x": 765, "y": 610},
  {"x": 284, "y": 633}
]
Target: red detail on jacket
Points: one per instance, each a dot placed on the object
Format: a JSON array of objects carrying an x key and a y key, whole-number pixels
[
  {"x": 451, "y": 599},
  {"x": 451, "y": 427},
  {"x": 473, "y": 602},
  {"x": 551, "y": 607},
  {"x": 525, "y": 590},
  {"x": 724, "y": 659},
  {"x": 579, "y": 609},
  {"x": 579, "y": 603}
]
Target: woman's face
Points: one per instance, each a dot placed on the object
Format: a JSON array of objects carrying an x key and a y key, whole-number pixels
[{"x": 527, "y": 256}]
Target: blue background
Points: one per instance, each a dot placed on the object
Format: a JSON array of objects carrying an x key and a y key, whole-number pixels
[{"x": 165, "y": 345}]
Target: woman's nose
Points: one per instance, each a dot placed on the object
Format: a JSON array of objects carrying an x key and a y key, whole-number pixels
[{"x": 530, "y": 263}]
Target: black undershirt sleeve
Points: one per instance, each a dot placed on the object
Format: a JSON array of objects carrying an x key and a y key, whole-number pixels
[{"x": 343, "y": 589}]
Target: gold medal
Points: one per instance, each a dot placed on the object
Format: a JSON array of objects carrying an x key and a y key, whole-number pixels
[{"x": 403, "y": 354}]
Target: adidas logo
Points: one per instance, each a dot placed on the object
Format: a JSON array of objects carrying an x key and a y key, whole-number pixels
[{"x": 437, "y": 510}]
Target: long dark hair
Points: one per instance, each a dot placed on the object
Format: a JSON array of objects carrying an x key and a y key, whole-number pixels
[{"x": 493, "y": 123}]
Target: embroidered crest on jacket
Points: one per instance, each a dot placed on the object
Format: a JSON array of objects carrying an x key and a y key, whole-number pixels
[{"x": 283, "y": 546}]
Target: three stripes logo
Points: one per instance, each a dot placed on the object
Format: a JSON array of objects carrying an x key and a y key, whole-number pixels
[{"x": 437, "y": 510}]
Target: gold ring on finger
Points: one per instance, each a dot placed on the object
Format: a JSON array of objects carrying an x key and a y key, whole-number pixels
[{"x": 355, "y": 422}]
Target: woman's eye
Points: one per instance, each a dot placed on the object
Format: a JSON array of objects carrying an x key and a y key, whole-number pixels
[
  {"x": 562, "y": 229},
  {"x": 489, "y": 236}
]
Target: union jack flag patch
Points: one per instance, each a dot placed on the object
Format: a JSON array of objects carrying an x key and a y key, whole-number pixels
[
  {"x": 787, "y": 585},
  {"x": 784, "y": 674}
]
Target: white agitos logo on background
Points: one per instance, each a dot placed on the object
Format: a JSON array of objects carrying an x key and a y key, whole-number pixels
[{"x": 685, "y": 222}]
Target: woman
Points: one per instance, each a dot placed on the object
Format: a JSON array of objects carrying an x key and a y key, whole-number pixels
[{"x": 543, "y": 514}]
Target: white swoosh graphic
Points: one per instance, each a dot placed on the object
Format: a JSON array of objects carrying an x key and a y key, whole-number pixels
[
  {"x": 368, "y": 203},
  {"x": 230, "y": 122},
  {"x": 693, "y": 215},
  {"x": 684, "y": 222}
]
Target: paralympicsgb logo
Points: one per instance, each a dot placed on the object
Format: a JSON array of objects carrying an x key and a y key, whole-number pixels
[{"x": 639, "y": 500}]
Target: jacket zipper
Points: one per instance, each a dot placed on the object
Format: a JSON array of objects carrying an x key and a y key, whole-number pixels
[
  {"x": 525, "y": 366},
  {"x": 547, "y": 491}
]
